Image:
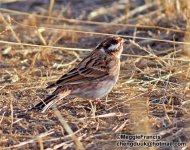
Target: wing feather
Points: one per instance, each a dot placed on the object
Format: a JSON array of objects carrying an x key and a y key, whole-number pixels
[{"x": 90, "y": 69}]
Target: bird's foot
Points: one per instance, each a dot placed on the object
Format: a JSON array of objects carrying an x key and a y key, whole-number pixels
[{"x": 99, "y": 104}]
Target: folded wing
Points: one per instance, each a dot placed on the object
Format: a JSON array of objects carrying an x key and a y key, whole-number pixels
[{"x": 90, "y": 69}]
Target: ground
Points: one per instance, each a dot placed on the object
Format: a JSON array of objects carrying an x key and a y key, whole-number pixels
[{"x": 42, "y": 40}]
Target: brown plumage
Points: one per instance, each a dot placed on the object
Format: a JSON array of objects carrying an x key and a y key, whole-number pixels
[{"x": 94, "y": 77}]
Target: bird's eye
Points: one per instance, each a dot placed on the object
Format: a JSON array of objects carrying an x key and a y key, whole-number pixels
[
  {"x": 114, "y": 41},
  {"x": 106, "y": 47},
  {"x": 110, "y": 44}
]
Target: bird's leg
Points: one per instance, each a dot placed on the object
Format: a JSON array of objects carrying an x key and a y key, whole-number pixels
[
  {"x": 99, "y": 103},
  {"x": 106, "y": 99}
]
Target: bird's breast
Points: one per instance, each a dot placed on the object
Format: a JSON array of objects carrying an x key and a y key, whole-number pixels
[{"x": 95, "y": 90}]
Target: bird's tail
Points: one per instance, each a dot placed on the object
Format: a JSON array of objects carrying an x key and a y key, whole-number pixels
[{"x": 50, "y": 100}]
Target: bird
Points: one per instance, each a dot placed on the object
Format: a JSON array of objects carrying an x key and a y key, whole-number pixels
[{"x": 93, "y": 78}]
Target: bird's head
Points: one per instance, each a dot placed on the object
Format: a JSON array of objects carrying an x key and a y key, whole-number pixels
[{"x": 113, "y": 46}]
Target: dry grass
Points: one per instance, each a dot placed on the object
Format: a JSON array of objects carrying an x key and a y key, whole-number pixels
[{"x": 152, "y": 95}]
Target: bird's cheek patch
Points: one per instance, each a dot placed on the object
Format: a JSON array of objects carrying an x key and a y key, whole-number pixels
[{"x": 113, "y": 47}]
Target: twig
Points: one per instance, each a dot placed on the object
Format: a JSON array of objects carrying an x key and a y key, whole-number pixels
[
  {"x": 8, "y": 25},
  {"x": 78, "y": 144},
  {"x": 135, "y": 11},
  {"x": 105, "y": 34},
  {"x": 92, "y": 22},
  {"x": 83, "y": 49},
  {"x": 51, "y": 7},
  {"x": 31, "y": 140}
]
